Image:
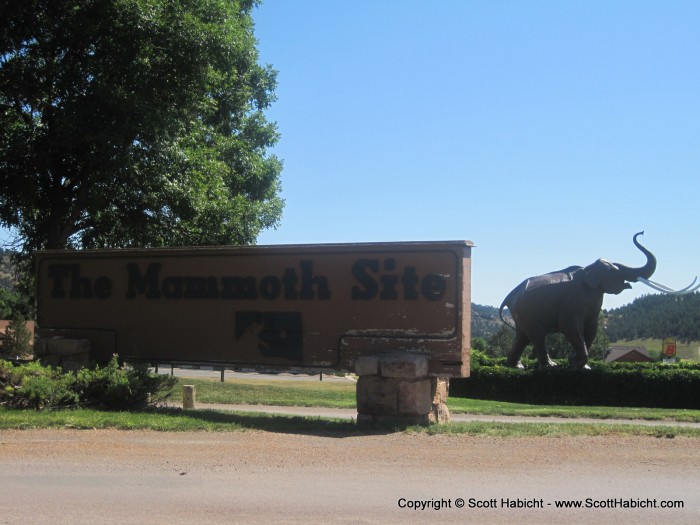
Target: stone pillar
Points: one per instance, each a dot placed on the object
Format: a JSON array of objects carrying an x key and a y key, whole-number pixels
[
  {"x": 396, "y": 389},
  {"x": 440, "y": 388}
]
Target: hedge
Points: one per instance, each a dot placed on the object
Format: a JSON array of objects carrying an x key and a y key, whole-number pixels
[{"x": 615, "y": 384}]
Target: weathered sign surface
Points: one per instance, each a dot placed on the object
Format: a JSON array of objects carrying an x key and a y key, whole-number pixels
[{"x": 315, "y": 306}]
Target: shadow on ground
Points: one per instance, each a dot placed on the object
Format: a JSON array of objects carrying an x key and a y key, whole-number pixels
[{"x": 309, "y": 425}]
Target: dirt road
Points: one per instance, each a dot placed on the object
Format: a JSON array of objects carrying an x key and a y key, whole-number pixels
[{"x": 109, "y": 476}]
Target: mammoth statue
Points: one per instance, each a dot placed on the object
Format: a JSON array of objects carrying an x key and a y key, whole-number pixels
[{"x": 569, "y": 302}]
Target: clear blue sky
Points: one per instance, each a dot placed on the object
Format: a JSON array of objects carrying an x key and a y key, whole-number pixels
[{"x": 546, "y": 132}]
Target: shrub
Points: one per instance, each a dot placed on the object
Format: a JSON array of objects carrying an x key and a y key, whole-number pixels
[
  {"x": 479, "y": 359},
  {"x": 115, "y": 388},
  {"x": 111, "y": 387},
  {"x": 35, "y": 386}
]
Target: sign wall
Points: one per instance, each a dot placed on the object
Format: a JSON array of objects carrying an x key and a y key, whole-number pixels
[{"x": 314, "y": 306}]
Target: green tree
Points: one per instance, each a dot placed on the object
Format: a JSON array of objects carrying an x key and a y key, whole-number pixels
[
  {"x": 480, "y": 344},
  {"x": 8, "y": 303},
  {"x": 19, "y": 338},
  {"x": 500, "y": 343},
  {"x": 134, "y": 123}
]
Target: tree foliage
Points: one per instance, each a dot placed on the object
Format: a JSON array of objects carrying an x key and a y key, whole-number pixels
[
  {"x": 656, "y": 316},
  {"x": 134, "y": 123},
  {"x": 12, "y": 301},
  {"x": 501, "y": 342},
  {"x": 18, "y": 338}
]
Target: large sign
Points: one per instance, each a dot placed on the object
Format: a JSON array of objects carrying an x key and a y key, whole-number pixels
[{"x": 316, "y": 306}]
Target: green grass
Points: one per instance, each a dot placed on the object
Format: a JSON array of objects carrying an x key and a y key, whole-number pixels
[
  {"x": 477, "y": 406},
  {"x": 519, "y": 430},
  {"x": 335, "y": 394},
  {"x": 166, "y": 420},
  {"x": 272, "y": 392},
  {"x": 340, "y": 395},
  {"x": 176, "y": 420}
]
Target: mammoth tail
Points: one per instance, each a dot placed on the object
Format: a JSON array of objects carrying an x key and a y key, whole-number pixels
[{"x": 500, "y": 311}]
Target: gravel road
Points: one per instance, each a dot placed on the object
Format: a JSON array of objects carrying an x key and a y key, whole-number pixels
[{"x": 110, "y": 477}]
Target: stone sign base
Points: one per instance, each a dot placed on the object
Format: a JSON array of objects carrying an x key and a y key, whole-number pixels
[
  {"x": 70, "y": 354},
  {"x": 396, "y": 389}
]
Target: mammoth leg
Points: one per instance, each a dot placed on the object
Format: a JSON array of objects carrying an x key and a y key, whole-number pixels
[
  {"x": 543, "y": 360},
  {"x": 589, "y": 333},
  {"x": 580, "y": 349},
  {"x": 519, "y": 344}
]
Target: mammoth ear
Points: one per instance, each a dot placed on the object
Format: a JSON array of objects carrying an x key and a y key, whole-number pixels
[{"x": 593, "y": 274}]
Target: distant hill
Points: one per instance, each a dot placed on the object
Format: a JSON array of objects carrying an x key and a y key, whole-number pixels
[
  {"x": 656, "y": 317},
  {"x": 485, "y": 320}
]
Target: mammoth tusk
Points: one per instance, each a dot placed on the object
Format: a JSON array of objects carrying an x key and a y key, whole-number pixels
[
  {"x": 665, "y": 289},
  {"x": 662, "y": 287}
]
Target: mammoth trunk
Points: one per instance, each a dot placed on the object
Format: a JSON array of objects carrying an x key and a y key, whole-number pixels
[{"x": 646, "y": 271}]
